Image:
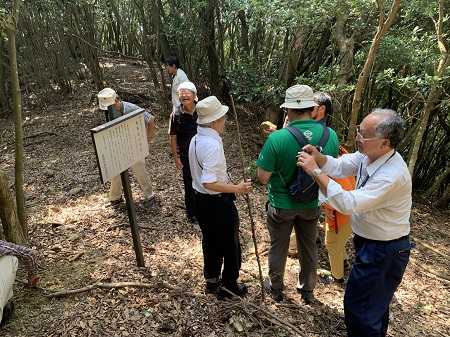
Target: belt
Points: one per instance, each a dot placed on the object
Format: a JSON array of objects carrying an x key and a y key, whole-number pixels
[
  {"x": 384, "y": 241},
  {"x": 203, "y": 195}
]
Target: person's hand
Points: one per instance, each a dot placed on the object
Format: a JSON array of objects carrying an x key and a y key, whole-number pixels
[
  {"x": 268, "y": 127},
  {"x": 33, "y": 279},
  {"x": 245, "y": 187},
  {"x": 319, "y": 158},
  {"x": 178, "y": 163},
  {"x": 329, "y": 214},
  {"x": 307, "y": 162}
]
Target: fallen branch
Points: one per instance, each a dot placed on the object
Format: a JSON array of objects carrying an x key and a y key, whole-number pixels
[
  {"x": 416, "y": 240},
  {"x": 429, "y": 269},
  {"x": 76, "y": 257},
  {"x": 159, "y": 285}
]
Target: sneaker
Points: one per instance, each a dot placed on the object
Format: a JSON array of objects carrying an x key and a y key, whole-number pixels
[
  {"x": 241, "y": 291},
  {"x": 212, "y": 287},
  {"x": 306, "y": 296},
  {"x": 114, "y": 203},
  {"x": 8, "y": 312},
  {"x": 347, "y": 265},
  {"x": 149, "y": 202},
  {"x": 276, "y": 294}
]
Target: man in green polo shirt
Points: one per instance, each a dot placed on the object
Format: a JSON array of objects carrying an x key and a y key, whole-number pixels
[{"x": 278, "y": 158}]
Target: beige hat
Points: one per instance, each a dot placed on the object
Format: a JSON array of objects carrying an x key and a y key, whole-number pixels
[
  {"x": 106, "y": 97},
  {"x": 210, "y": 109},
  {"x": 299, "y": 97}
]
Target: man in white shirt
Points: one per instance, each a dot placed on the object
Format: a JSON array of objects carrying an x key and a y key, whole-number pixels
[
  {"x": 172, "y": 65},
  {"x": 380, "y": 208},
  {"x": 214, "y": 195}
]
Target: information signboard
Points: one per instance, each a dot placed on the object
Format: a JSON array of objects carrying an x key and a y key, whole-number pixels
[{"x": 120, "y": 143}]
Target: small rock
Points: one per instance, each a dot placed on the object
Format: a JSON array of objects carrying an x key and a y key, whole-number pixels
[{"x": 75, "y": 191}]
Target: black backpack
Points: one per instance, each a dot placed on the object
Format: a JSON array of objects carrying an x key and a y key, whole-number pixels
[{"x": 303, "y": 188}]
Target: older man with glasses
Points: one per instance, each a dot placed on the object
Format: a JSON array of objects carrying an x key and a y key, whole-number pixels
[{"x": 380, "y": 209}]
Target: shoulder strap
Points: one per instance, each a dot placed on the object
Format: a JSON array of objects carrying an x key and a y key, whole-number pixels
[{"x": 324, "y": 139}]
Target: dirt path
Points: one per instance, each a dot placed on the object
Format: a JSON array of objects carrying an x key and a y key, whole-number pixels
[{"x": 81, "y": 243}]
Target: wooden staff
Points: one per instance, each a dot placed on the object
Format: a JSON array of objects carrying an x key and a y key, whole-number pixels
[{"x": 247, "y": 198}]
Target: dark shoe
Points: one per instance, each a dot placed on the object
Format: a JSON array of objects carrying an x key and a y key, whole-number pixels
[
  {"x": 276, "y": 294},
  {"x": 241, "y": 291},
  {"x": 114, "y": 203},
  {"x": 339, "y": 280},
  {"x": 193, "y": 220},
  {"x": 212, "y": 287},
  {"x": 347, "y": 265},
  {"x": 149, "y": 202},
  {"x": 8, "y": 312},
  {"x": 307, "y": 296}
]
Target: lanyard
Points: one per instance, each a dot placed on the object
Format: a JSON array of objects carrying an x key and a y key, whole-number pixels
[{"x": 363, "y": 183}]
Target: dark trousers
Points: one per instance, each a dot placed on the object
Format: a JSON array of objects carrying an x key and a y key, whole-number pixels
[
  {"x": 188, "y": 190},
  {"x": 219, "y": 221},
  {"x": 378, "y": 270}
]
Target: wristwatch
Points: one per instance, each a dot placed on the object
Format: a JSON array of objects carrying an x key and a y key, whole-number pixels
[{"x": 316, "y": 172}]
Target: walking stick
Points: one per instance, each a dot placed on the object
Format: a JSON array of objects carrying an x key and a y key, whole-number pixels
[{"x": 247, "y": 198}]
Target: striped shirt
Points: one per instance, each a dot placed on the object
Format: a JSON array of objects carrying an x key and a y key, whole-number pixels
[{"x": 24, "y": 254}]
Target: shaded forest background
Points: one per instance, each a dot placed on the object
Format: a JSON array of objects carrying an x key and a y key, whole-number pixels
[{"x": 253, "y": 50}]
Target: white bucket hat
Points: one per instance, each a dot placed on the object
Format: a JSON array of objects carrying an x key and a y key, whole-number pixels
[
  {"x": 210, "y": 109},
  {"x": 299, "y": 97},
  {"x": 190, "y": 86},
  {"x": 106, "y": 97}
]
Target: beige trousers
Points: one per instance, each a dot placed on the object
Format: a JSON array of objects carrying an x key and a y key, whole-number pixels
[
  {"x": 335, "y": 244},
  {"x": 8, "y": 268},
  {"x": 140, "y": 171}
]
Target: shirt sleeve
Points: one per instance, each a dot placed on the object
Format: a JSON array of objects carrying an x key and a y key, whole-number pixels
[
  {"x": 211, "y": 167},
  {"x": 24, "y": 254},
  {"x": 267, "y": 158}
]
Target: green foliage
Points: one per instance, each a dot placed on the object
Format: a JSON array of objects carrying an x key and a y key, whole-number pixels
[
  {"x": 251, "y": 171},
  {"x": 249, "y": 84}
]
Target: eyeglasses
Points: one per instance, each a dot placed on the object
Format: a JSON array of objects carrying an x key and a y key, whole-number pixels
[
  {"x": 184, "y": 92},
  {"x": 361, "y": 137}
]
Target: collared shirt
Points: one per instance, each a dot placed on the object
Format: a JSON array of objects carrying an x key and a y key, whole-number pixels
[
  {"x": 381, "y": 204},
  {"x": 127, "y": 107},
  {"x": 207, "y": 160},
  {"x": 180, "y": 77},
  {"x": 24, "y": 254}
]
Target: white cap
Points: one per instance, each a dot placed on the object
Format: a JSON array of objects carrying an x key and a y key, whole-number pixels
[
  {"x": 299, "y": 97},
  {"x": 106, "y": 97}
]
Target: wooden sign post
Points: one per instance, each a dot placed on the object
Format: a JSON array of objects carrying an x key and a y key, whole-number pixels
[{"x": 119, "y": 144}]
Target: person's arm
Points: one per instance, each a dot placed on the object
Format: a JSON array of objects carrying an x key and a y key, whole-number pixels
[
  {"x": 24, "y": 254},
  {"x": 150, "y": 129},
  {"x": 263, "y": 176},
  {"x": 244, "y": 187},
  {"x": 174, "y": 149}
]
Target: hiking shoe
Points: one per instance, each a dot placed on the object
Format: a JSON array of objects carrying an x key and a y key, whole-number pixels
[
  {"x": 276, "y": 294},
  {"x": 114, "y": 203},
  {"x": 306, "y": 296},
  {"x": 149, "y": 202},
  {"x": 8, "y": 312},
  {"x": 347, "y": 265},
  {"x": 212, "y": 287},
  {"x": 241, "y": 291}
]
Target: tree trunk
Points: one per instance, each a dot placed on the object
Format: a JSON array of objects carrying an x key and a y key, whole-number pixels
[
  {"x": 434, "y": 94},
  {"x": 383, "y": 27},
  {"x": 244, "y": 32},
  {"x": 164, "y": 104},
  {"x": 17, "y": 110},
  {"x": 346, "y": 46},
  {"x": 3, "y": 87},
  {"x": 8, "y": 214}
]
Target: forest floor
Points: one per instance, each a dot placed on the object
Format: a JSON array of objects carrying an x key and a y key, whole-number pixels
[{"x": 81, "y": 243}]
